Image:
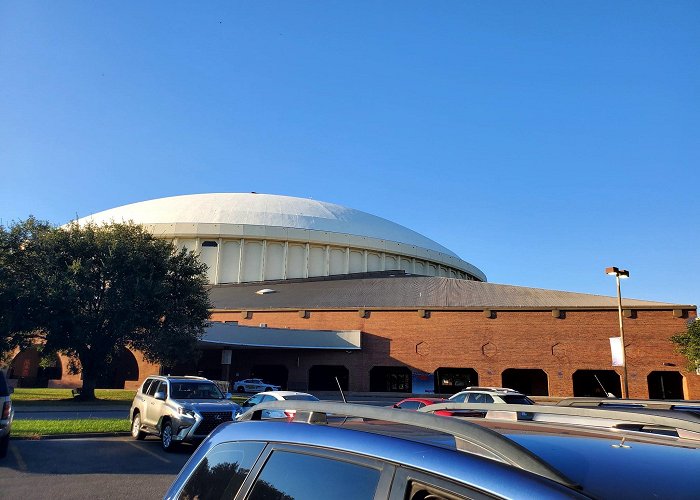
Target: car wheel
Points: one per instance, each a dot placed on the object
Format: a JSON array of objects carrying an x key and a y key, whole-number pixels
[
  {"x": 4, "y": 444},
  {"x": 136, "y": 431},
  {"x": 240, "y": 389},
  {"x": 166, "y": 437}
]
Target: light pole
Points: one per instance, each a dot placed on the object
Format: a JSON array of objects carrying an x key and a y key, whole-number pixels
[{"x": 621, "y": 273}]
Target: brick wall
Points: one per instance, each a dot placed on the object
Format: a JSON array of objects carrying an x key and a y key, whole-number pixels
[{"x": 576, "y": 340}]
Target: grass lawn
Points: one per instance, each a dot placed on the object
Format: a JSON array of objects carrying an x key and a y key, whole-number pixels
[
  {"x": 37, "y": 428},
  {"x": 41, "y": 397}
]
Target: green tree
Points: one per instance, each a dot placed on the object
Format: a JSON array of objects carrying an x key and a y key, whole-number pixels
[
  {"x": 688, "y": 343},
  {"x": 88, "y": 291}
]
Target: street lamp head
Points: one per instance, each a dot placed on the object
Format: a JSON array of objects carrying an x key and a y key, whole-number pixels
[{"x": 620, "y": 273}]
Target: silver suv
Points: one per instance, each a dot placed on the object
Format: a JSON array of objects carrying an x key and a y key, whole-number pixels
[
  {"x": 179, "y": 409},
  {"x": 6, "y": 415}
]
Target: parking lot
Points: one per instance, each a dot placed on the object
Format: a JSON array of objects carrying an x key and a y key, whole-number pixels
[{"x": 106, "y": 467}]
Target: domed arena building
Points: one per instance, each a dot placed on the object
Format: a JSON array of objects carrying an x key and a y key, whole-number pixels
[{"x": 306, "y": 293}]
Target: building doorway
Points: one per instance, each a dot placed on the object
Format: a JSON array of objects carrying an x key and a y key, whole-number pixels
[
  {"x": 453, "y": 380},
  {"x": 322, "y": 378},
  {"x": 390, "y": 379},
  {"x": 532, "y": 382},
  {"x": 274, "y": 374},
  {"x": 118, "y": 370},
  {"x": 665, "y": 385},
  {"x": 597, "y": 383}
]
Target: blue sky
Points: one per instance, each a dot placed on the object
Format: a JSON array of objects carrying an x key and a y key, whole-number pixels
[{"x": 540, "y": 141}]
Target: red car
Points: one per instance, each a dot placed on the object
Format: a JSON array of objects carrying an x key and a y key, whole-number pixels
[{"x": 416, "y": 403}]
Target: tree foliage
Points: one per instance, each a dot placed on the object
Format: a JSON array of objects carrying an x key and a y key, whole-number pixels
[
  {"x": 688, "y": 343},
  {"x": 88, "y": 291}
]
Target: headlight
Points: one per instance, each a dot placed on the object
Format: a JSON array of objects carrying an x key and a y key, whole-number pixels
[{"x": 185, "y": 411}]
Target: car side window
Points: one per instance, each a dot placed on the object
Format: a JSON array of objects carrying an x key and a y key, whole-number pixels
[
  {"x": 285, "y": 476},
  {"x": 146, "y": 385},
  {"x": 153, "y": 387},
  {"x": 222, "y": 471},
  {"x": 410, "y": 405},
  {"x": 163, "y": 387},
  {"x": 480, "y": 398},
  {"x": 458, "y": 398},
  {"x": 252, "y": 401}
]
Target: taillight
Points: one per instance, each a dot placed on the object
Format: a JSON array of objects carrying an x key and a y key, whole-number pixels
[
  {"x": 289, "y": 414},
  {"x": 6, "y": 410}
]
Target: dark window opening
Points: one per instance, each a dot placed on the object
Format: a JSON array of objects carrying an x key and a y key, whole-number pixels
[
  {"x": 31, "y": 371},
  {"x": 532, "y": 382},
  {"x": 453, "y": 380},
  {"x": 322, "y": 378},
  {"x": 390, "y": 379},
  {"x": 210, "y": 244},
  {"x": 271, "y": 374},
  {"x": 597, "y": 383},
  {"x": 665, "y": 385}
]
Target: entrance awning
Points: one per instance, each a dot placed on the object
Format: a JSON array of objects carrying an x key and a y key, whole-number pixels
[{"x": 232, "y": 335}]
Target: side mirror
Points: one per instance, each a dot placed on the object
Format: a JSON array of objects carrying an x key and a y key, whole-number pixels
[
  {"x": 228, "y": 395},
  {"x": 159, "y": 395}
]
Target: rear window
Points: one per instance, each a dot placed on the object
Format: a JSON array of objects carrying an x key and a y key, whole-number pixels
[
  {"x": 518, "y": 400},
  {"x": 301, "y": 397}
]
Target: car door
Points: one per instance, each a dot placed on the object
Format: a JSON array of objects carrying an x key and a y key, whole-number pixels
[{"x": 155, "y": 406}]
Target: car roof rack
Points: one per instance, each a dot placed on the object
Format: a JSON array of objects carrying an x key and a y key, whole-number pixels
[
  {"x": 658, "y": 404},
  {"x": 468, "y": 436},
  {"x": 686, "y": 426}
]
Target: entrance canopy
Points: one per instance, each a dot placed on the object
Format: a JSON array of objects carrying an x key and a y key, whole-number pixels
[{"x": 232, "y": 335}]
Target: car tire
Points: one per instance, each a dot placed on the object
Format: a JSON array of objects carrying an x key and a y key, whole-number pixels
[
  {"x": 166, "y": 437},
  {"x": 240, "y": 389},
  {"x": 4, "y": 444},
  {"x": 136, "y": 431}
]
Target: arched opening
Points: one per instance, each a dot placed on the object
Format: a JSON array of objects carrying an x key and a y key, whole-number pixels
[
  {"x": 665, "y": 385},
  {"x": 118, "y": 370},
  {"x": 530, "y": 381},
  {"x": 29, "y": 370},
  {"x": 390, "y": 379},
  {"x": 275, "y": 374},
  {"x": 453, "y": 380},
  {"x": 322, "y": 377},
  {"x": 597, "y": 383}
]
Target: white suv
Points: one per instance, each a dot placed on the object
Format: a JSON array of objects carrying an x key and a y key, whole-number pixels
[{"x": 498, "y": 395}]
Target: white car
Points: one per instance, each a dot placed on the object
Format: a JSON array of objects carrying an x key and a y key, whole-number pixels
[
  {"x": 254, "y": 385},
  {"x": 266, "y": 397},
  {"x": 499, "y": 395}
]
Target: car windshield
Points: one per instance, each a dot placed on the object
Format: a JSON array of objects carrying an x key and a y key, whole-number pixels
[
  {"x": 301, "y": 397},
  {"x": 195, "y": 390},
  {"x": 518, "y": 400}
]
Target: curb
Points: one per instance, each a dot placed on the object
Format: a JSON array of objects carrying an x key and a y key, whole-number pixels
[{"x": 70, "y": 436}]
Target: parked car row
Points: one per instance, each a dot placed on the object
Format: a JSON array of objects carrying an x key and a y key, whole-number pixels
[{"x": 376, "y": 452}]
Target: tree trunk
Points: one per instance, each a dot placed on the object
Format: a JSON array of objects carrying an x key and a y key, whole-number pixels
[{"x": 87, "y": 393}]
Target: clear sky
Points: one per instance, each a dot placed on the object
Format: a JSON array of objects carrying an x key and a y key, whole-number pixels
[{"x": 541, "y": 141}]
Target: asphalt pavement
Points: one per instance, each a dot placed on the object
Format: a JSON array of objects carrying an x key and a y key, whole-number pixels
[{"x": 89, "y": 468}]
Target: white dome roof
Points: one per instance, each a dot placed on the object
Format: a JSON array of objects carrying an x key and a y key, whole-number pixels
[
  {"x": 264, "y": 210},
  {"x": 252, "y": 209}
]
